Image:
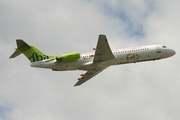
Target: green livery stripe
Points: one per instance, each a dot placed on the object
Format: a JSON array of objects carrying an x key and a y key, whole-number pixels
[{"x": 73, "y": 56}]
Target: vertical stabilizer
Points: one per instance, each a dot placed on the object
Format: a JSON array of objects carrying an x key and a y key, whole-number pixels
[{"x": 31, "y": 52}]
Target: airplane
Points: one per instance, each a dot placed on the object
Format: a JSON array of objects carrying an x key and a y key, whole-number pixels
[{"x": 93, "y": 62}]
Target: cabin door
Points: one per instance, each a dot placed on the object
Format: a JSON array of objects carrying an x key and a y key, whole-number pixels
[{"x": 158, "y": 49}]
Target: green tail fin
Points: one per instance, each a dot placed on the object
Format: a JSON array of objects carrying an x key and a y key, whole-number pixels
[{"x": 32, "y": 53}]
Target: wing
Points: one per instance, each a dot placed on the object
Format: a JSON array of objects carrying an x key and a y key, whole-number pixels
[
  {"x": 88, "y": 75},
  {"x": 103, "y": 51}
]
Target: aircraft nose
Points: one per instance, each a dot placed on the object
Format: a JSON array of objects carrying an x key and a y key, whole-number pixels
[{"x": 171, "y": 52}]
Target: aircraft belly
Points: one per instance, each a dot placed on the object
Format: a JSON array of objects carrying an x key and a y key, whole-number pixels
[
  {"x": 98, "y": 65},
  {"x": 66, "y": 67},
  {"x": 63, "y": 66}
]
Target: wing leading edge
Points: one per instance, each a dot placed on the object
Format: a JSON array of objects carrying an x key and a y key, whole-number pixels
[{"x": 103, "y": 53}]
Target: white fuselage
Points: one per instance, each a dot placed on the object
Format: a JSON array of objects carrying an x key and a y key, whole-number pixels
[{"x": 122, "y": 56}]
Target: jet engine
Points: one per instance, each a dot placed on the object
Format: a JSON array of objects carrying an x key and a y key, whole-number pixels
[{"x": 69, "y": 57}]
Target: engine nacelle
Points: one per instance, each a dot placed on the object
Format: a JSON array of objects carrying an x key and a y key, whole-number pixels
[{"x": 68, "y": 57}]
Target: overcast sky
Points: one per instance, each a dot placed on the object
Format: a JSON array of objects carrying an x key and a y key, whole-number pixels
[{"x": 141, "y": 91}]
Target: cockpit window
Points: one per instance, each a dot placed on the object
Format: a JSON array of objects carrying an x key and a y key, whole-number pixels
[{"x": 164, "y": 46}]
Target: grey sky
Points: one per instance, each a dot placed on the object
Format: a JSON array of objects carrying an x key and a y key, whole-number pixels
[{"x": 142, "y": 91}]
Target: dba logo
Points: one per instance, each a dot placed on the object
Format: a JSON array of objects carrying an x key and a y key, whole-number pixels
[{"x": 35, "y": 57}]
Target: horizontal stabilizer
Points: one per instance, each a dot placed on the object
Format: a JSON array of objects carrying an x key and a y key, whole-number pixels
[
  {"x": 15, "y": 54},
  {"x": 20, "y": 45}
]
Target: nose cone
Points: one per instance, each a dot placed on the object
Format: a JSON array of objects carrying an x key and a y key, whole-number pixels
[{"x": 170, "y": 52}]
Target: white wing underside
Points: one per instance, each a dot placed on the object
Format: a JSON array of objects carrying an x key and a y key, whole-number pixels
[
  {"x": 88, "y": 75},
  {"x": 103, "y": 53}
]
